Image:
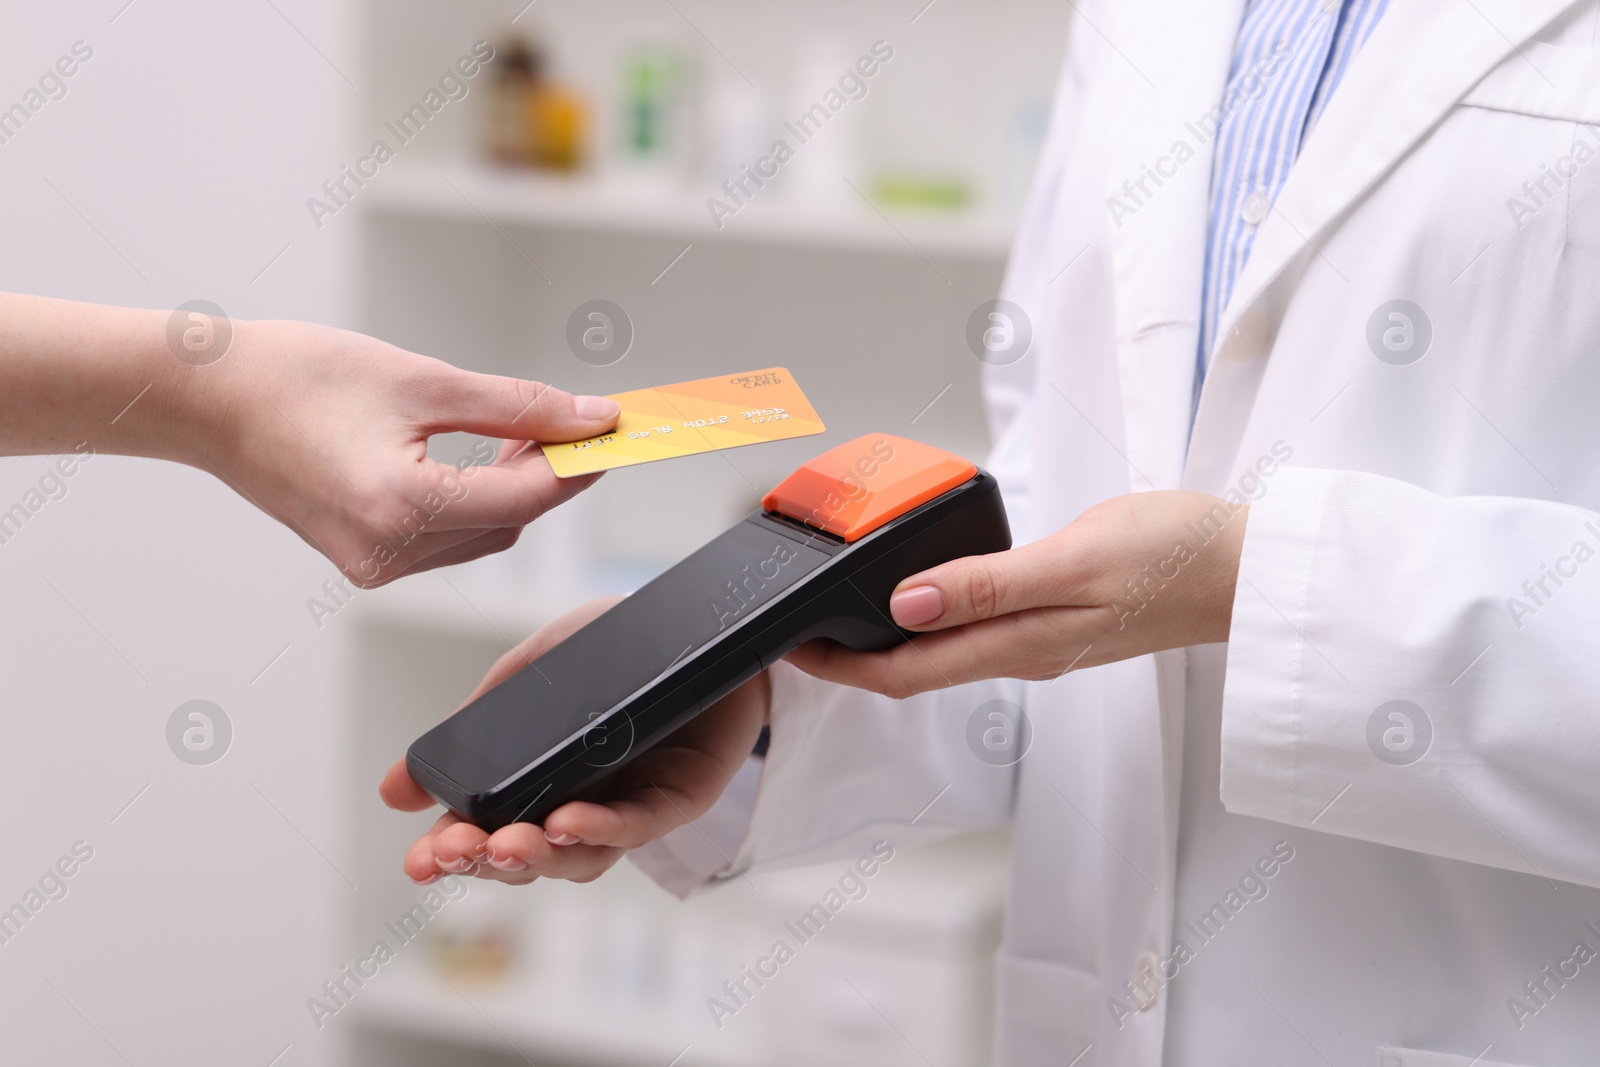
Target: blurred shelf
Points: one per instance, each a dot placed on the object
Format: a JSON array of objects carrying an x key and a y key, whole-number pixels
[
  {"x": 480, "y": 194},
  {"x": 541, "y": 1021}
]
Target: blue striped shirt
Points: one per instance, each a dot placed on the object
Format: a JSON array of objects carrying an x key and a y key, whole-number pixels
[{"x": 1289, "y": 58}]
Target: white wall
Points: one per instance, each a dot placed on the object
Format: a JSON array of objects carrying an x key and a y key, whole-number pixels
[{"x": 186, "y": 147}]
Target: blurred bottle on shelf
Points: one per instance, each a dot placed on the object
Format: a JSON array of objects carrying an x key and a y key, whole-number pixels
[
  {"x": 1025, "y": 132},
  {"x": 826, "y": 149},
  {"x": 560, "y": 123},
  {"x": 508, "y": 131},
  {"x": 655, "y": 88},
  {"x": 628, "y": 956},
  {"x": 533, "y": 119},
  {"x": 739, "y": 126}
]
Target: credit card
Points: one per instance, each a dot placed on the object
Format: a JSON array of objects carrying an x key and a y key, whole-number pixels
[{"x": 667, "y": 421}]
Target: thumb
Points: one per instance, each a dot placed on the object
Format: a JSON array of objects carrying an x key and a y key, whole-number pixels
[
  {"x": 401, "y": 792},
  {"x": 515, "y": 408},
  {"x": 973, "y": 589}
]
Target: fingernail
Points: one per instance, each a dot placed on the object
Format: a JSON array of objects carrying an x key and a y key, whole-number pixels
[
  {"x": 598, "y": 408},
  {"x": 507, "y": 863},
  {"x": 460, "y": 865},
  {"x": 561, "y": 839},
  {"x": 917, "y": 606}
]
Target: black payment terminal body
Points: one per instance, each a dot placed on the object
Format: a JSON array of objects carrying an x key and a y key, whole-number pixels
[{"x": 820, "y": 560}]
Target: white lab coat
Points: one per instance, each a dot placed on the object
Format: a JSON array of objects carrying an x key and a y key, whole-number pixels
[{"x": 1378, "y": 565}]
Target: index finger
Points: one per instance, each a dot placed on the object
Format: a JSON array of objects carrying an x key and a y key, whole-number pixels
[
  {"x": 513, "y": 407},
  {"x": 401, "y": 792}
]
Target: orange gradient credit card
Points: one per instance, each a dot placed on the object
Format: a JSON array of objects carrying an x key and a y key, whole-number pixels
[{"x": 667, "y": 421}]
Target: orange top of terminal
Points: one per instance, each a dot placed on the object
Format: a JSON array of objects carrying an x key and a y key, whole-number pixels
[{"x": 855, "y": 488}]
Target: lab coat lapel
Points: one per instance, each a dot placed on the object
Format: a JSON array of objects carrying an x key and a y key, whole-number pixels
[
  {"x": 1423, "y": 57},
  {"x": 1168, "y": 66}
]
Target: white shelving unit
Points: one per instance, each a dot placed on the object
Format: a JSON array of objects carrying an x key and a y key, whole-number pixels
[
  {"x": 868, "y": 307},
  {"x": 479, "y": 194}
]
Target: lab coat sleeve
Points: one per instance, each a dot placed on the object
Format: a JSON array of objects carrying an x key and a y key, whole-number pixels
[
  {"x": 845, "y": 769},
  {"x": 1419, "y": 671}
]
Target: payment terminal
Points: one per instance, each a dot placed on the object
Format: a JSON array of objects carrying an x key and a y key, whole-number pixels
[{"x": 820, "y": 559}]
